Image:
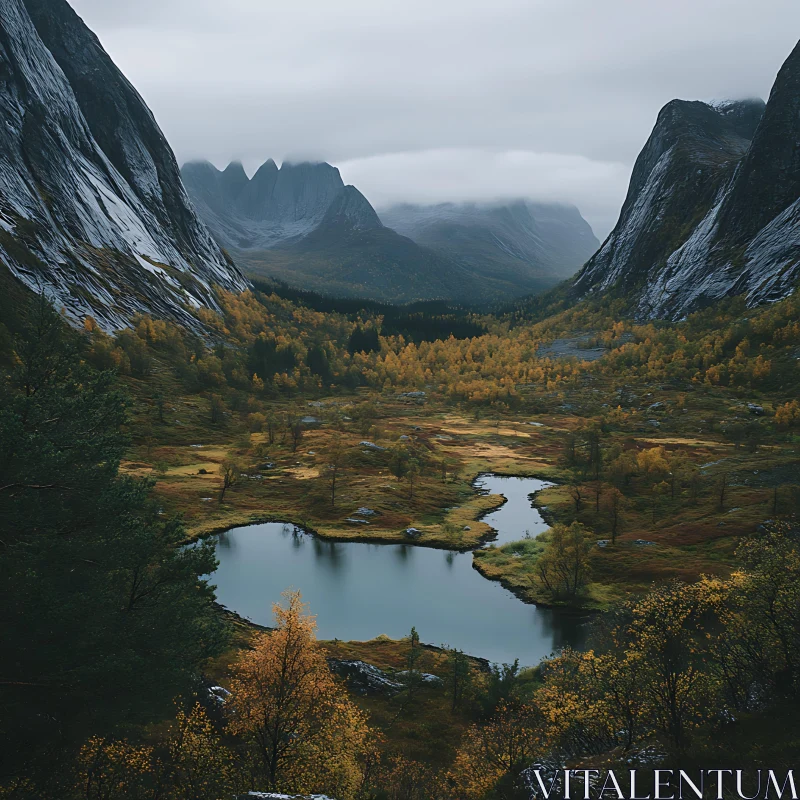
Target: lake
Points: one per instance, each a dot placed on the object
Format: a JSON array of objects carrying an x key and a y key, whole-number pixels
[{"x": 358, "y": 591}]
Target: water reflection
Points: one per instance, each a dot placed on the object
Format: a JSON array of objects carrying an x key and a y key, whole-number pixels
[
  {"x": 358, "y": 591},
  {"x": 331, "y": 556},
  {"x": 225, "y": 541},
  {"x": 403, "y": 552}
]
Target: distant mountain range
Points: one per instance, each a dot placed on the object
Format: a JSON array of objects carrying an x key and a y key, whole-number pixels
[
  {"x": 713, "y": 208},
  {"x": 92, "y": 208},
  {"x": 94, "y": 212},
  {"x": 531, "y": 246},
  {"x": 302, "y": 225}
]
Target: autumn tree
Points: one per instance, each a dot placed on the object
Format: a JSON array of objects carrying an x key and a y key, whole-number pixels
[
  {"x": 445, "y": 466},
  {"x": 597, "y": 491},
  {"x": 109, "y": 769},
  {"x": 658, "y": 491},
  {"x": 563, "y": 567},
  {"x": 760, "y": 609},
  {"x": 304, "y": 733},
  {"x": 229, "y": 471},
  {"x": 593, "y": 702},
  {"x": 159, "y": 402},
  {"x": 665, "y": 631},
  {"x": 495, "y": 753},
  {"x": 401, "y": 778},
  {"x": 216, "y": 409},
  {"x": 593, "y": 441},
  {"x": 398, "y": 460},
  {"x": 788, "y": 414},
  {"x": 413, "y": 470},
  {"x": 576, "y": 493},
  {"x": 722, "y": 491},
  {"x": 614, "y": 504},
  {"x": 296, "y": 430},
  {"x": 200, "y": 765},
  {"x": 621, "y": 469},
  {"x": 570, "y": 454},
  {"x": 652, "y": 463},
  {"x": 271, "y": 423}
]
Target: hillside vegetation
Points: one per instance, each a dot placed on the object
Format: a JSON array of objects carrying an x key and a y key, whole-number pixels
[{"x": 673, "y": 448}]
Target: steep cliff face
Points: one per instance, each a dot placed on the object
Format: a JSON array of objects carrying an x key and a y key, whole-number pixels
[
  {"x": 681, "y": 174},
  {"x": 528, "y": 245},
  {"x": 92, "y": 207},
  {"x": 712, "y": 210},
  {"x": 768, "y": 180}
]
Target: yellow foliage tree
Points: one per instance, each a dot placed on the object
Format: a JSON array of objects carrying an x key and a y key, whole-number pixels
[
  {"x": 593, "y": 702},
  {"x": 652, "y": 462},
  {"x": 112, "y": 770},
  {"x": 666, "y": 633},
  {"x": 563, "y": 568},
  {"x": 496, "y": 751},
  {"x": 201, "y": 765},
  {"x": 788, "y": 414},
  {"x": 305, "y": 733}
]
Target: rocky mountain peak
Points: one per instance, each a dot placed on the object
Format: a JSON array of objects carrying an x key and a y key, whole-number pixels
[
  {"x": 351, "y": 210},
  {"x": 713, "y": 207},
  {"x": 742, "y": 115},
  {"x": 768, "y": 180}
]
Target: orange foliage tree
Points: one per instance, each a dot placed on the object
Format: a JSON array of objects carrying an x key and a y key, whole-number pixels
[
  {"x": 305, "y": 733},
  {"x": 496, "y": 751}
]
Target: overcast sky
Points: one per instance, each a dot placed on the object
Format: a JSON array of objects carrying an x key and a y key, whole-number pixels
[{"x": 432, "y": 100}]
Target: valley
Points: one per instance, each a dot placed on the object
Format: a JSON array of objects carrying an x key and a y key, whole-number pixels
[{"x": 300, "y": 498}]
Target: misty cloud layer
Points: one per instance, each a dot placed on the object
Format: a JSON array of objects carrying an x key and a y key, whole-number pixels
[{"x": 437, "y": 99}]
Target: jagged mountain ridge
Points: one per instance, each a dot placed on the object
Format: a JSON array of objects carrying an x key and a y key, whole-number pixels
[
  {"x": 301, "y": 224},
  {"x": 277, "y": 206},
  {"x": 92, "y": 208},
  {"x": 535, "y": 245},
  {"x": 713, "y": 207}
]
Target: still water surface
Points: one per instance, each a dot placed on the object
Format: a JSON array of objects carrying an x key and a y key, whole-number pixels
[{"x": 358, "y": 591}]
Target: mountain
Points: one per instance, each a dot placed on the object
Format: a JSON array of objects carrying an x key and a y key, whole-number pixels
[
  {"x": 530, "y": 246},
  {"x": 92, "y": 208},
  {"x": 276, "y": 207},
  {"x": 713, "y": 207},
  {"x": 300, "y": 224}
]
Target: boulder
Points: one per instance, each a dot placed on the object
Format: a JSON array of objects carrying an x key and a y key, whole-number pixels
[{"x": 363, "y": 678}]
